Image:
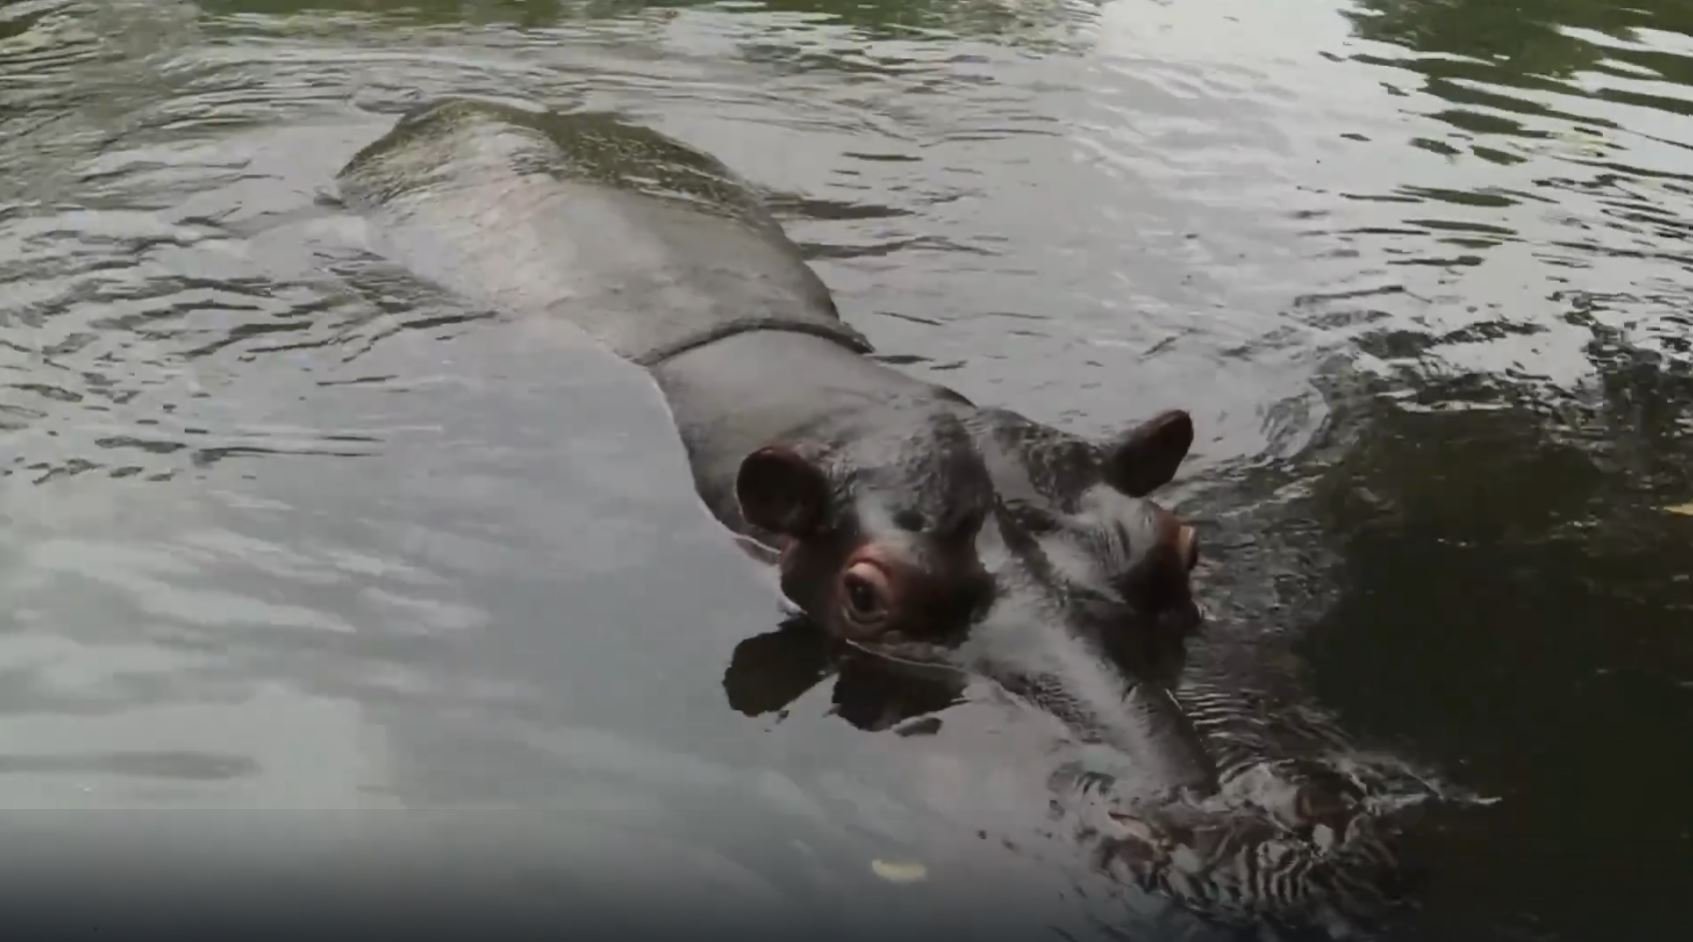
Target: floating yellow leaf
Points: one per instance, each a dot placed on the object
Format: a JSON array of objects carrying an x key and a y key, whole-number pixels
[
  {"x": 1685, "y": 510},
  {"x": 899, "y": 871}
]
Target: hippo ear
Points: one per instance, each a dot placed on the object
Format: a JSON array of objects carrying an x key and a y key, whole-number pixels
[
  {"x": 1147, "y": 456},
  {"x": 782, "y": 491}
]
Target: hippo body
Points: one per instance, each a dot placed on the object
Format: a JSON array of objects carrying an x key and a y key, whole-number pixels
[
  {"x": 965, "y": 536},
  {"x": 647, "y": 247},
  {"x": 906, "y": 520}
]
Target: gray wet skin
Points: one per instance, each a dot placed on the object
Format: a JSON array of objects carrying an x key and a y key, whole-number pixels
[{"x": 905, "y": 519}]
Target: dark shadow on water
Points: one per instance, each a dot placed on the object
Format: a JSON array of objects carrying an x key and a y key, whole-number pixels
[{"x": 1512, "y": 604}]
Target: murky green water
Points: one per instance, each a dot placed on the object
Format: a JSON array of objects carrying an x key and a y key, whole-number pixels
[{"x": 279, "y": 528}]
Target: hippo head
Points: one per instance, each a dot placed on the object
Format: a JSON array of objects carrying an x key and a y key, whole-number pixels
[{"x": 980, "y": 540}]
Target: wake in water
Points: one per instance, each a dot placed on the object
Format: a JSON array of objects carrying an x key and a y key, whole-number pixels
[{"x": 1302, "y": 841}]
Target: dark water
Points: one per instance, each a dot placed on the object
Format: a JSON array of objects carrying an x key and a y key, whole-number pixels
[{"x": 281, "y": 528}]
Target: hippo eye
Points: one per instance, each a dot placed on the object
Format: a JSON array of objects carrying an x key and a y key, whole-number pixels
[
  {"x": 911, "y": 520},
  {"x": 865, "y": 594}
]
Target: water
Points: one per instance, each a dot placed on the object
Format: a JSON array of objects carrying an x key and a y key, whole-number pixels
[{"x": 282, "y": 528}]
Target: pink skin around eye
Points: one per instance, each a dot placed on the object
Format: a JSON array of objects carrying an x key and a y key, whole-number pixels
[{"x": 874, "y": 577}]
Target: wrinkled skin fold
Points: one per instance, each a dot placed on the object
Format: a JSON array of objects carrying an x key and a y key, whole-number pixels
[{"x": 906, "y": 521}]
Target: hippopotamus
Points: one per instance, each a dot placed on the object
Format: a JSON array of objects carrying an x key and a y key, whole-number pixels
[
  {"x": 942, "y": 540},
  {"x": 905, "y": 519}
]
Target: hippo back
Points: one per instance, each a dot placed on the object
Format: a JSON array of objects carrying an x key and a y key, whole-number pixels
[{"x": 646, "y": 245}]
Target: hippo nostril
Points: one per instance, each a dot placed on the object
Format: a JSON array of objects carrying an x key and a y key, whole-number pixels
[{"x": 1187, "y": 544}]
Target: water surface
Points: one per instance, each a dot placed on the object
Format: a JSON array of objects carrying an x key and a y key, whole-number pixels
[{"x": 284, "y": 528}]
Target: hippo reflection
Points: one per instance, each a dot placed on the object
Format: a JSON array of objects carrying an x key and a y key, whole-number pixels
[{"x": 906, "y": 521}]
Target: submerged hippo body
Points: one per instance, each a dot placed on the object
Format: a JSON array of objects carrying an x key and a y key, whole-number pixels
[{"x": 907, "y": 520}]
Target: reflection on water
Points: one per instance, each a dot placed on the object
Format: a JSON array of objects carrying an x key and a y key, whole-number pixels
[{"x": 282, "y": 528}]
